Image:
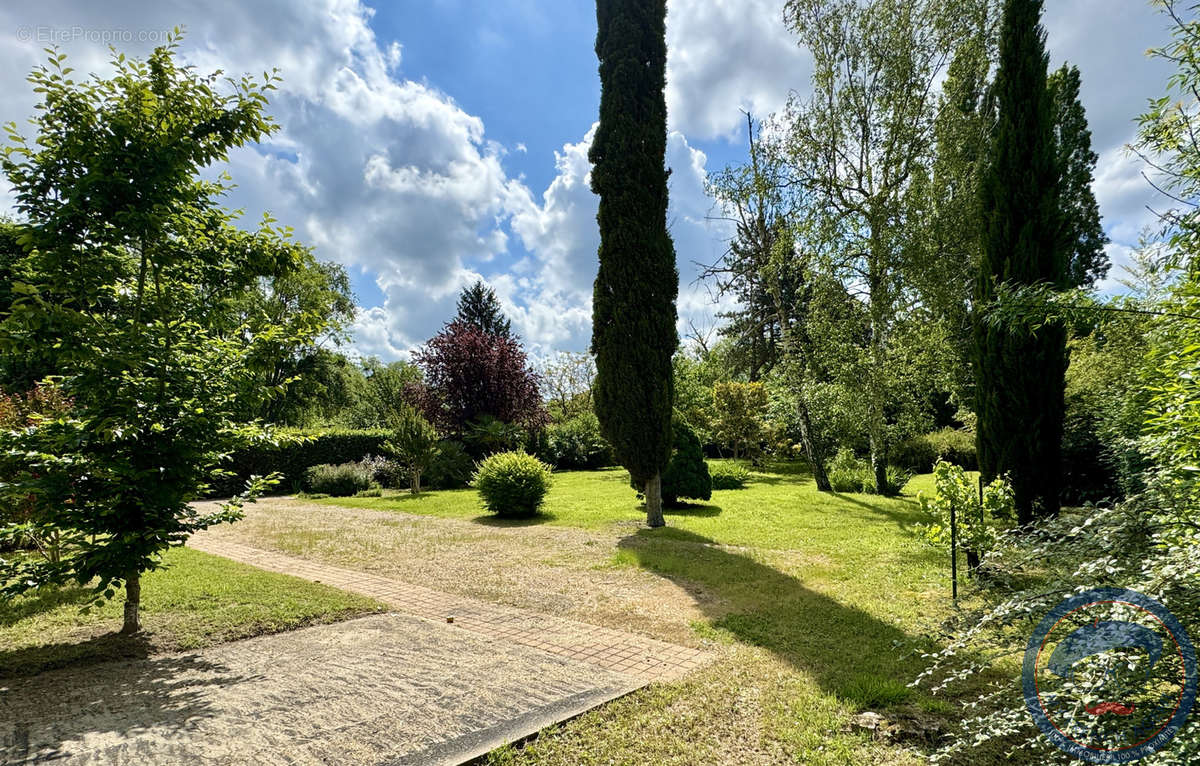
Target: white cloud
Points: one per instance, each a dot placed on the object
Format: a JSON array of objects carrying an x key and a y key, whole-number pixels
[
  {"x": 563, "y": 235},
  {"x": 727, "y": 56}
]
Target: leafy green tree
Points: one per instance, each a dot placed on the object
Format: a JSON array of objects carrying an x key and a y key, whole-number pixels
[
  {"x": 295, "y": 315},
  {"x": 415, "y": 442},
  {"x": 1019, "y": 375},
  {"x": 1082, "y": 232},
  {"x": 119, "y": 220},
  {"x": 479, "y": 307},
  {"x": 738, "y": 410},
  {"x": 386, "y": 391},
  {"x": 857, "y": 145},
  {"x": 566, "y": 380},
  {"x": 946, "y": 205},
  {"x": 754, "y": 198},
  {"x": 633, "y": 321}
]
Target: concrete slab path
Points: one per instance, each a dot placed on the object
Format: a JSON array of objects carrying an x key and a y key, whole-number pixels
[{"x": 443, "y": 680}]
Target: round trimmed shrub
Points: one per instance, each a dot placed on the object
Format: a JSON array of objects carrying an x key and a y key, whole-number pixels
[{"x": 512, "y": 483}]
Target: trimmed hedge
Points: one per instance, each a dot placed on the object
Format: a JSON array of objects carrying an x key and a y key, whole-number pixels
[{"x": 293, "y": 459}]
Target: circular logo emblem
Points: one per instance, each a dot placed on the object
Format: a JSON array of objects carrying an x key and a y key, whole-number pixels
[{"x": 1109, "y": 676}]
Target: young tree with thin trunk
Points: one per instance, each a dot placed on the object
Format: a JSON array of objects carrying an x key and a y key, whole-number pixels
[
  {"x": 119, "y": 220},
  {"x": 1020, "y": 376},
  {"x": 634, "y": 316},
  {"x": 857, "y": 146}
]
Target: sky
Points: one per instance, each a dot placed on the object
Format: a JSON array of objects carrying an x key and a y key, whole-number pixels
[{"x": 429, "y": 143}]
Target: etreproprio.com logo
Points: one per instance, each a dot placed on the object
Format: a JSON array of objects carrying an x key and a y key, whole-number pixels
[{"x": 1110, "y": 676}]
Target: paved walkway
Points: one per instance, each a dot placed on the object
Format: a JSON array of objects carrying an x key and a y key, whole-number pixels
[
  {"x": 385, "y": 689},
  {"x": 627, "y": 653},
  {"x": 444, "y": 680}
]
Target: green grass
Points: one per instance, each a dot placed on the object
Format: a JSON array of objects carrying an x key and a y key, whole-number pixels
[
  {"x": 824, "y": 603},
  {"x": 199, "y": 600}
]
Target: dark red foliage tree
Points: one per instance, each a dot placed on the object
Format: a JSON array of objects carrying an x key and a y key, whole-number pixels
[{"x": 471, "y": 374}]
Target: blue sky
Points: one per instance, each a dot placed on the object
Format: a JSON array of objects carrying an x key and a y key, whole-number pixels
[{"x": 428, "y": 143}]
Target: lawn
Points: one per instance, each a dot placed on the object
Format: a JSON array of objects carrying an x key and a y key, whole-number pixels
[
  {"x": 817, "y": 605},
  {"x": 197, "y": 601}
]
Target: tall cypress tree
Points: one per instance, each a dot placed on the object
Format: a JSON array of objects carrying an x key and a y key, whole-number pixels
[
  {"x": 1020, "y": 376},
  {"x": 1083, "y": 233},
  {"x": 633, "y": 320},
  {"x": 479, "y": 307}
]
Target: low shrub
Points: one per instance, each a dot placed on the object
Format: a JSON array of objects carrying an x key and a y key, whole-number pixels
[
  {"x": 342, "y": 480},
  {"x": 577, "y": 444},
  {"x": 847, "y": 473},
  {"x": 512, "y": 483},
  {"x": 687, "y": 474},
  {"x": 451, "y": 468},
  {"x": 374, "y": 492},
  {"x": 295, "y": 454},
  {"x": 385, "y": 471},
  {"x": 952, "y": 445},
  {"x": 728, "y": 476}
]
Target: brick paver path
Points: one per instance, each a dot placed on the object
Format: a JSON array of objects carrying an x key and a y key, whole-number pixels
[
  {"x": 645, "y": 659},
  {"x": 385, "y": 689}
]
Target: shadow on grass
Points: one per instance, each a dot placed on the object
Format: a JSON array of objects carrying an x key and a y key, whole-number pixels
[
  {"x": 492, "y": 520},
  {"x": 30, "y": 661},
  {"x": 906, "y": 517},
  {"x": 850, "y": 653},
  {"x": 42, "y": 600},
  {"x": 54, "y": 709},
  {"x": 690, "y": 509}
]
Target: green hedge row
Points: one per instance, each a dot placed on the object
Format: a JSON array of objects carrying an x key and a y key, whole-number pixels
[{"x": 293, "y": 459}]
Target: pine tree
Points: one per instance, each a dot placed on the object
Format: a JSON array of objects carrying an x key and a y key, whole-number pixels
[
  {"x": 1020, "y": 375},
  {"x": 478, "y": 306},
  {"x": 1083, "y": 233},
  {"x": 633, "y": 321}
]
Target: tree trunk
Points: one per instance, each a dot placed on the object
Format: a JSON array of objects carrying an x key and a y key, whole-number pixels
[
  {"x": 973, "y": 562},
  {"x": 415, "y": 484},
  {"x": 879, "y": 462},
  {"x": 821, "y": 475},
  {"x": 816, "y": 460},
  {"x": 654, "y": 512},
  {"x": 133, "y": 601}
]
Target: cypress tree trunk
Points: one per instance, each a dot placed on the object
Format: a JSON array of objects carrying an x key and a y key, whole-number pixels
[
  {"x": 415, "y": 484},
  {"x": 1020, "y": 376},
  {"x": 133, "y": 602},
  {"x": 654, "y": 512},
  {"x": 633, "y": 315}
]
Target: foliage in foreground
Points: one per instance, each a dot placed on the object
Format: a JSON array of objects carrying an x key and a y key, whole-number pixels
[
  {"x": 131, "y": 264},
  {"x": 512, "y": 483},
  {"x": 1149, "y": 543},
  {"x": 978, "y": 519}
]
